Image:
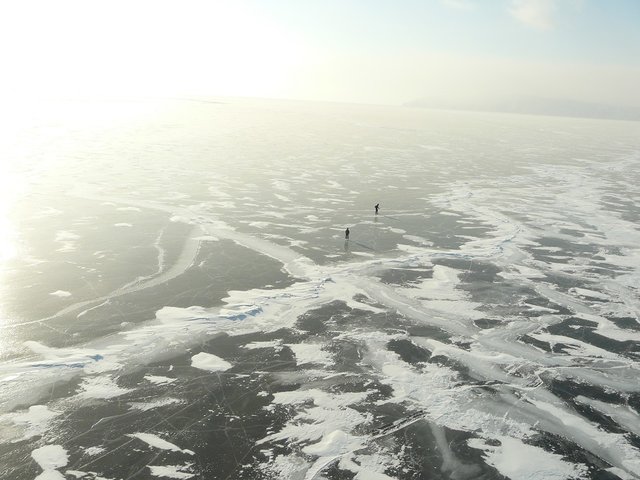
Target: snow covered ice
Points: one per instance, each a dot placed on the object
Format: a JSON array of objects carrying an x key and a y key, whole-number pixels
[{"x": 181, "y": 301}]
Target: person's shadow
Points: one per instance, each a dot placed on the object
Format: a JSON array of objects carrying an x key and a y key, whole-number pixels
[{"x": 346, "y": 245}]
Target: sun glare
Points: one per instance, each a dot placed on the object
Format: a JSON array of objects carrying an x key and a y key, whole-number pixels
[
  {"x": 9, "y": 189},
  {"x": 90, "y": 48}
]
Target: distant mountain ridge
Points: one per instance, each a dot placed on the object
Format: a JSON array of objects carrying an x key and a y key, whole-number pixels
[{"x": 538, "y": 106}]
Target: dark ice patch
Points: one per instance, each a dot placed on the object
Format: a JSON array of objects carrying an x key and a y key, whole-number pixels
[
  {"x": 484, "y": 284},
  {"x": 567, "y": 247},
  {"x": 409, "y": 351},
  {"x": 312, "y": 323},
  {"x": 571, "y": 232},
  {"x": 606, "y": 270},
  {"x": 486, "y": 323},
  {"x": 472, "y": 271},
  {"x": 347, "y": 355},
  {"x": 575, "y": 454},
  {"x": 568, "y": 389},
  {"x": 424, "y": 458},
  {"x": 404, "y": 276},
  {"x": 629, "y": 323},
  {"x": 334, "y": 472},
  {"x": 584, "y": 330},
  {"x": 429, "y": 331},
  {"x": 627, "y": 209},
  {"x": 367, "y": 301},
  {"x": 461, "y": 369},
  {"x": 453, "y": 239},
  {"x": 542, "y": 345},
  {"x": 602, "y": 420},
  {"x": 544, "y": 303},
  {"x": 376, "y": 391},
  {"x": 633, "y": 401}
]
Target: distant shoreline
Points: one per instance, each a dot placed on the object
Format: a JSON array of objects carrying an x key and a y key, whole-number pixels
[{"x": 542, "y": 107}]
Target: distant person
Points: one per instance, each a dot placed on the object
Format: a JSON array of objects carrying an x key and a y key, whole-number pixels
[
  {"x": 376, "y": 206},
  {"x": 346, "y": 233}
]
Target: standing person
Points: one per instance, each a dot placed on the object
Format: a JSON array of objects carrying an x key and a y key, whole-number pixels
[
  {"x": 346, "y": 233},
  {"x": 376, "y": 206}
]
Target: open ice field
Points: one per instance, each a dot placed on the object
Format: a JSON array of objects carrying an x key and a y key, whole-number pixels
[{"x": 178, "y": 300}]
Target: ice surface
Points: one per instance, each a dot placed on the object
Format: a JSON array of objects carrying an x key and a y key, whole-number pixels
[{"x": 484, "y": 324}]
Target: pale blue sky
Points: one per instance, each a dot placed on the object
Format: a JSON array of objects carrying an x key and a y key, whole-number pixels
[
  {"x": 599, "y": 31},
  {"x": 370, "y": 51},
  {"x": 583, "y": 50}
]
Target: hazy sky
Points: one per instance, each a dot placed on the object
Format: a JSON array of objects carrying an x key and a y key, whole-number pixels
[{"x": 373, "y": 51}]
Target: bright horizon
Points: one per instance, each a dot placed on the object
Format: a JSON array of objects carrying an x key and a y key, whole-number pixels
[{"x": 457, "y": 52}]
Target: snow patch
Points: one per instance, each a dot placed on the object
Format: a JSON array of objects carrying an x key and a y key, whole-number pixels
[
  {"x": 212, "y": 363},
  {"x": 60, "y": 293},
  {"x": 162, "y": 402},
  {"x": 515, "y": 459},
  {"x": 102, "y": 387},
  {"x": 159, "y": 380},
  {"x": 170, "y": 471},
  {"x": 276, "y": 344},
  {"x": 33, "y": 421},
  {"x": 310, "y": 353},
  {"x": 50, "y": 458},
  {"x": 157, "y": 442}
]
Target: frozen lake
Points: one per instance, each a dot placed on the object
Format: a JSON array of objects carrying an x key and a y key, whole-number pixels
[{"x": 178, "y": 300}]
